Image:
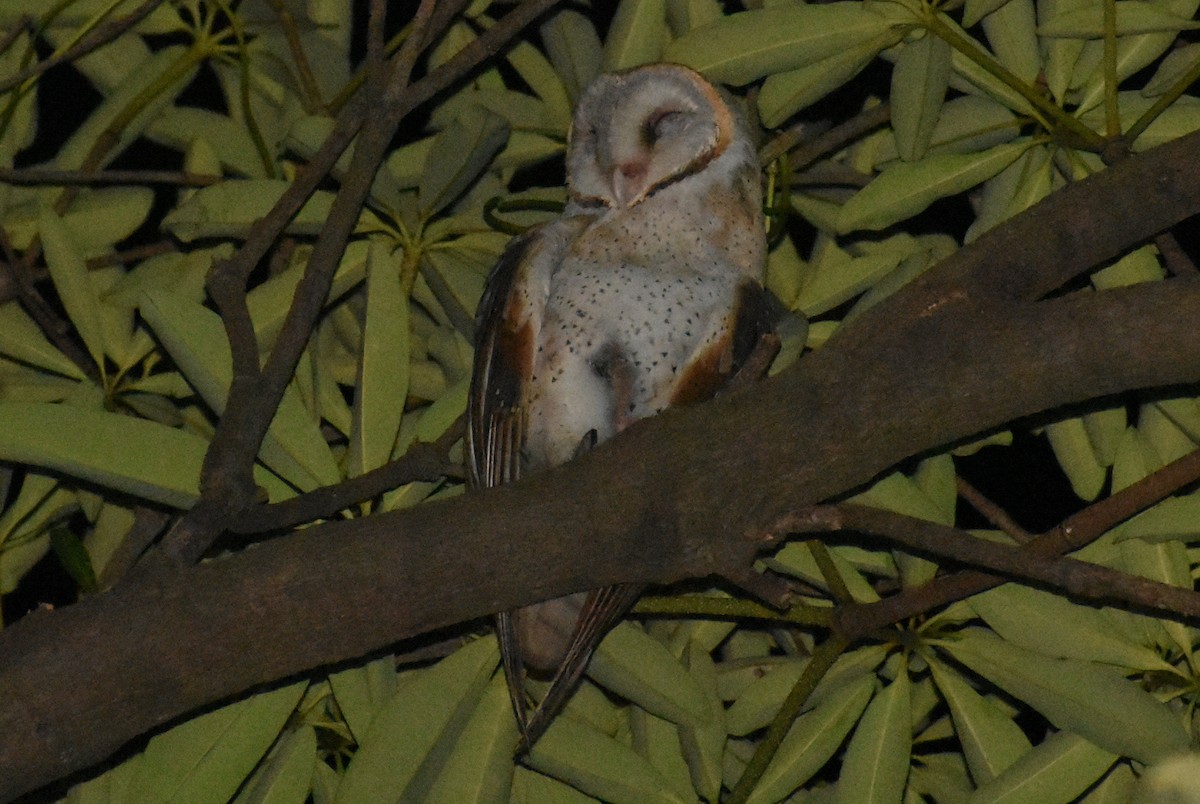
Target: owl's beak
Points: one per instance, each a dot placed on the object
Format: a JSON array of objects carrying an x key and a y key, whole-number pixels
[{"x": 629, "y": 182}]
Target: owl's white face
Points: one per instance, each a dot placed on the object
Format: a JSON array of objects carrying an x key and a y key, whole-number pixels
[{"x": 639, "y": 131}]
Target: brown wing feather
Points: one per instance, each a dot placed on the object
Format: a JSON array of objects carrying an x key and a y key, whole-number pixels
[{"x": 503, "y": 364}]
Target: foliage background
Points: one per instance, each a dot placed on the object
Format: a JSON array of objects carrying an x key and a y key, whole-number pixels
[{"x": 114, "y": 369}]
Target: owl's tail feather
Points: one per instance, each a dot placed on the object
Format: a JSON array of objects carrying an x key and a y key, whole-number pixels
[{"x": 603, "y": 608}]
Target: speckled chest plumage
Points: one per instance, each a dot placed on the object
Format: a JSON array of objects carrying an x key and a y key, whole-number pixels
[{"x": 613, "y": 341}]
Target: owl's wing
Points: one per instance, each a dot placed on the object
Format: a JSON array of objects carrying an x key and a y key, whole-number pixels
[
  {"x": 507, "y": 327},
  {"x": 743, "y": 355}
]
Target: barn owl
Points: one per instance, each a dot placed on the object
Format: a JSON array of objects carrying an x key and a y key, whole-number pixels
[{"x": 645, "y": 293}]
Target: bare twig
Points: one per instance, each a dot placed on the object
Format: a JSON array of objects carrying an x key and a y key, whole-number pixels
[
  {"x": 101, "y": 35},
  {"x": 311, "y": 91},
  {"x": 992, "y": 512},
  {"x": 1077, "y": 578},
  {"x": 1073, "y": 533},
  {"x": 45, "y": 176},
  {"x": 832, "y": 140},
  {"x": 420, "y": 462},
  {"x": 1177, "y": 261},
  {"x": 58, "y": 331}
]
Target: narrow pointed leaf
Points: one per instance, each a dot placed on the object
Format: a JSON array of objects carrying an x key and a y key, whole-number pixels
[
  {"x": 1061, "y": 768},
  {"x": 597, "y": 764},
  {"x": 73, "y": 284},
  {"x": 991, "y": 740},
  {"x": 1086, "y": 698},
  {"x": 382, "y": 386},
  {"x": 906, "y": 189},
  {"x": 812, "y": 740},
  {"x": 136, "y": 456},
  {"x": 919, "y": 82},
  {"x": 877, "y": 758},
  {"x": 413, "y": 733},
  {"x": 208, "y": 757},
  {"x": 745, "y": 47}
]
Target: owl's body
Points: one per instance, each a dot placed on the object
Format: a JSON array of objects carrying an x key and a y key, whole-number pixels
[{"x": 643, "y": 295}]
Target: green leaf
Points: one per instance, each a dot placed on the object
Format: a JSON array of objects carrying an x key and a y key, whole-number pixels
[
  {"x": 908, "y": 188},
  {"x": 1010, "y": 32},
  {"x": 195, "y": 338},
  {"x": 747, "y": 46},
  {"x": 412, "y": 735},
  {"x": 361, "y": 691},
  {"x": 1075, "y": 454},
  {"x": 459, "y": 154},
  {"x": 574, "y": 49},
  {"x": 1133, "y": 17},
  {"x": 1133, "y": 53},
  {"x": 539, "y": 74},
  {"x": 208, "y": 757},
  {"x": 382, "y": 386},
  {"x": 597, "y": 764},
  {"x": 1173, "y": 518},
  {"x": 639, "y": 668},
  {"x": 179, "y": 126},
  {"x": 1053, "y": 626},
  {"x": 877, "y": 758},
  {"x": 1059, "y": 769},
  {"x": 704, "y": 742},
  {"x": 636, "y": 35},
  {"x": 20, "y": 338},
  {"x": 1016, "y": 188},
  {"x": 919, "y": 82},
  {"x": 834, "y": 277},
  {"x": 74, "y": 558},
  {"x": 812, "y": 740},
  {"x": 126, "y": 110},
  {"x": 975, "y": 10},
  {"x": 269, "y": 302},
  {"x": 1086, "y": 698},
  {"x": 136, "y": 456},
  {"x": 971, "y": 78},
  {"x": 285, "y": 776},
  {"x": 991, "y": 740},
  {"x": 658, "y": 741},
  {"x": 481, "y": 766},
  {"x": 73, "y": 284},
  {"x": 786, "y": 92},
  {"x": 229, "y": 209}
]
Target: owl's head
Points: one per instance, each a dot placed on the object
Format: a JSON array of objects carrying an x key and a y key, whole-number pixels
[{"x": 639, "y": 131}]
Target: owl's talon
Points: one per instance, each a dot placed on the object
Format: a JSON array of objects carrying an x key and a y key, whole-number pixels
[
  {"x": 758, "y": 362},
  {"x": 586, "y": 444}
]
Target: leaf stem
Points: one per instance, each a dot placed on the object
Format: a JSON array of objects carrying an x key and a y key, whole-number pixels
[
  {"x": 822, "y": 659},
  {"x": 1164, "y": 100},
  {"x": 1112, "y": 113},
  {"x": 1056, "y": 118}
]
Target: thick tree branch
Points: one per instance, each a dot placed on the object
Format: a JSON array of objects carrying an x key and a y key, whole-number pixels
[{"x": 938, "y": 363}]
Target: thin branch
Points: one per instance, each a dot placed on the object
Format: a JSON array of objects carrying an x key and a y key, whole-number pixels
[
  {"x": 101, "y": 35},
  {"x": 822, "y": 660},
  {"x": 311, "y": 91},
  {"x": 421, "y": 462},
  {"x": 1075, "y": 532},
  {"x": 58, "y": 331},
  {"x": 829, "y": 142},
  {"x": 45, "y": 176},
  {"x": 992, "y": 512},
  {"x": 1079, "y": 579},
  {"x": 1177, "y": 261}
]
